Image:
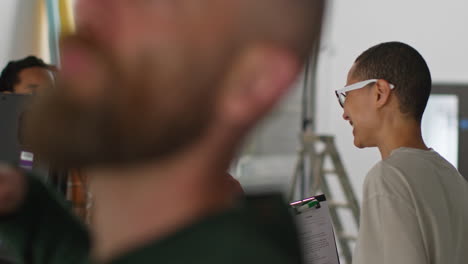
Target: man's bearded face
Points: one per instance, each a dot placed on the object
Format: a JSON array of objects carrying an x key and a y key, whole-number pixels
[{"x": 134, "y": 87}]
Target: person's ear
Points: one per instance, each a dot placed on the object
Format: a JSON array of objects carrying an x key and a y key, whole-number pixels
[
  {"x": 257, "y": 81},
  {"x": 382, "y": 93}
]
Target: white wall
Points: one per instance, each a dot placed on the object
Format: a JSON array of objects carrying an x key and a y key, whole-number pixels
[
  {"x": 438, "y": 29},
  {"x": 19, "y": 23}
]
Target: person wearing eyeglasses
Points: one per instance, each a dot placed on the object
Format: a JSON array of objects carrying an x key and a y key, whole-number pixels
[{"x": 414, "y": 202}]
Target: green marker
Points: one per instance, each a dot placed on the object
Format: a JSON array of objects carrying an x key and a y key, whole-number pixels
[{"x": 313, "y": 203}]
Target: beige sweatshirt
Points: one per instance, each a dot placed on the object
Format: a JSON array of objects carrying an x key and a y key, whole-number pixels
[{"x": 414, "y": 211}]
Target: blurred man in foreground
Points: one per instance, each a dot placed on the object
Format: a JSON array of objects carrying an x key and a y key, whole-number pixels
[{"x": 156, "y": 98}]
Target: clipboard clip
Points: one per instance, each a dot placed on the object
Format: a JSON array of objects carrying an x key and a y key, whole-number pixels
[{"x": 305, "y": 204}]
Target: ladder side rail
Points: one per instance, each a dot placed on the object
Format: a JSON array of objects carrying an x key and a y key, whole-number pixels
[
  {"x": 344, "y": 179},
  {"x": 345, "y": 248}
]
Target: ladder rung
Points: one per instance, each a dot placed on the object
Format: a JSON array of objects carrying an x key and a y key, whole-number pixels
[
  {"x": 334, "y": 204},
  {"x": 347, "y": 236}
]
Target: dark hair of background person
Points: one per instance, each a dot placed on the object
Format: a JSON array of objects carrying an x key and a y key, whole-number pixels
[
  {"x": 402, "y": 66},
  {"x": 10, "y": 74}
]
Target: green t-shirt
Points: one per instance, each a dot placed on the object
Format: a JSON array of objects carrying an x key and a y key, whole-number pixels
[{"x": 258, "y": 231}]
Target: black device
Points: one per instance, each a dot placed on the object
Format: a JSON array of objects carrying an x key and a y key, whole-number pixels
[{"x": 12, "y": 108}]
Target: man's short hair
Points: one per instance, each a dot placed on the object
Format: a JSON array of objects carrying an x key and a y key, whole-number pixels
[
  {"x": 10, "y": 74},
  {"x": 402, "y": 66}
]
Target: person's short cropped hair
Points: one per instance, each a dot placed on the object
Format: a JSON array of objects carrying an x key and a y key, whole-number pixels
[
  {"x": 10, "y": 74},
  {"x": 402, "y": 66}
]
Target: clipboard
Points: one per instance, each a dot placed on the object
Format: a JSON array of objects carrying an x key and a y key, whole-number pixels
[{"x": 315, "y": 228}]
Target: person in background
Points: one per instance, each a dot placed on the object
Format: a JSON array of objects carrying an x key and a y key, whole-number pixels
[
  {"x": 155, "y": 100},
  {"x": 24, "y": 77},
  {"x": 414, "y": 203},
  {"x": 27, "y": 76}
]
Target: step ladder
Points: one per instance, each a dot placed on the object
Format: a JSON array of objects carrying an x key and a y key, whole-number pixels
[{"x": 312, "y": 177}]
